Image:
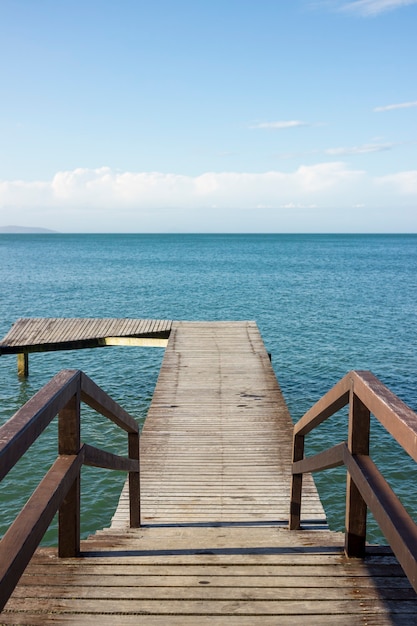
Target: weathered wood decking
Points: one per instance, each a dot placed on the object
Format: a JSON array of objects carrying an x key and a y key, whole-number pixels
[
  {"x": 216, "y": 445},
  {"x": 213, "y": 576},
  {"x": 215, "y": 548},
  {"x": 43, "y": 334}
]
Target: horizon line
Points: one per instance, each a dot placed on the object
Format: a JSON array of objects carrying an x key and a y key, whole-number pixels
[{"x": 51, "y": 232}]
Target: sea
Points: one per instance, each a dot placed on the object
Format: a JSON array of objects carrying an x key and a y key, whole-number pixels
[{"x": 324, "y": 304}]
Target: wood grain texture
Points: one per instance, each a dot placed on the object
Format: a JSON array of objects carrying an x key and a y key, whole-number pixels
[
  {"x": 215, "y": 491},
  {"x": 45, "y": 334},
  {"x": 213, "y": 575},
  {"x": 216, "y": 444}
]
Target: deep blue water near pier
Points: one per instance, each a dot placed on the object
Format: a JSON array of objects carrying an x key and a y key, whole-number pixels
[{"x": 325, "y": 304}]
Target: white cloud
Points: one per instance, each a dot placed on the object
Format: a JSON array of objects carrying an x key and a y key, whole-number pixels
[
  {"x": 280, "y": 125},
  {"x": 404, "y": 183},
  {"x": 297, "y": 205},
  {"x": 364, "y": 149},
  {"x": 310, "y": 197},
  {"x": 390, "y": 107},
  {"x": 104, "y": 188},
  {"x": 374, "y": 7}
]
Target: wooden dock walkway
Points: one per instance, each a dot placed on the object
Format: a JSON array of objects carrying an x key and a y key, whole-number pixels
[
  {"x": 215, "y": 547},
  {"x": 216, "y": 445}
]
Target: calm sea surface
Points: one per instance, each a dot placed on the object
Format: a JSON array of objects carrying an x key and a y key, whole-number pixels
[{"x": 325, "y": 304}]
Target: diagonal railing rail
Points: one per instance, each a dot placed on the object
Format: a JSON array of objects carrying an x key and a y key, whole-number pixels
[
  {"x": 59, "y": 490},
  {"x": 366, "y": 487}
]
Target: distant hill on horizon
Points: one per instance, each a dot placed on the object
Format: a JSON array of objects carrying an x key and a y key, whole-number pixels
[{"x": 22, "y": 230}]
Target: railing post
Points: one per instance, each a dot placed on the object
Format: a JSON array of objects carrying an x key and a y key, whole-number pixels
[
  {"x": 296, "y": 485},
  {"x": 356, "y": 509},
  {"x": 69, "y": 512},
  {"x": 134, "y": 482}
]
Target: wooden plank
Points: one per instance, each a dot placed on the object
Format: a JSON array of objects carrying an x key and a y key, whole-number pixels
[
  {"x": 46, "y": 334},
  {"x": 195, "y": 565},
  {"x": 207, "y": 606},
  {"x": 34, "y": 619},
  {"x": 198, "y": 591},
  {"x": 45, "y": 582},
  {"x": 68, "y": 331},
  {"x": 95, "y": 457},
  {"x": 144, "y": 342},
  {"x": 333, "y": 457}
]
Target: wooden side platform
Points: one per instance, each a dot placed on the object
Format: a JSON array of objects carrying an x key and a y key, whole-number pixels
[
  {"x": 39, "y": 334},
  {"x": 43, "y": 334},
  {"x": 215, "y": 547}
]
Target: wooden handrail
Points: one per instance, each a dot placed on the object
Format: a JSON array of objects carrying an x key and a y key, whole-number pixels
[
  {"x": 366, "y": 487},
  {"x": 59, "y": 490},
  {"x": 21, "y": 430}
]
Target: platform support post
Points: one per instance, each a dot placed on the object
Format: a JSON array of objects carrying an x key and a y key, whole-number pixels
[{"x": 23, "y": 364}]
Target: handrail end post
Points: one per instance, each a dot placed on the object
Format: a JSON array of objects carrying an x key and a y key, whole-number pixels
[
  {"x": 355, "y": 546},
  {"x": 134, "y": 482},
  {"x": 356, "y": 510},
  {"x": 296, "y": 484},
  {"x": 69, "y": 514},
  {"x": 295, "y": 505},
  {"x": 356, "y": 507},
  {"x": 69, "y": 523}
]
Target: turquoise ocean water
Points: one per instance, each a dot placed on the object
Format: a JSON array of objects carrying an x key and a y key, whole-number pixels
[{"x": 325, "y": 304}]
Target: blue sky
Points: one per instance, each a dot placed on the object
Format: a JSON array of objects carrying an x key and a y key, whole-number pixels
[{"x": 209, "y": 116}]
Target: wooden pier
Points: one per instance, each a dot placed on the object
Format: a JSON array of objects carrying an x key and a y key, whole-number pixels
[
  {"x": 216, "y": 445},
  {"x": 214, "y": 546}
]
